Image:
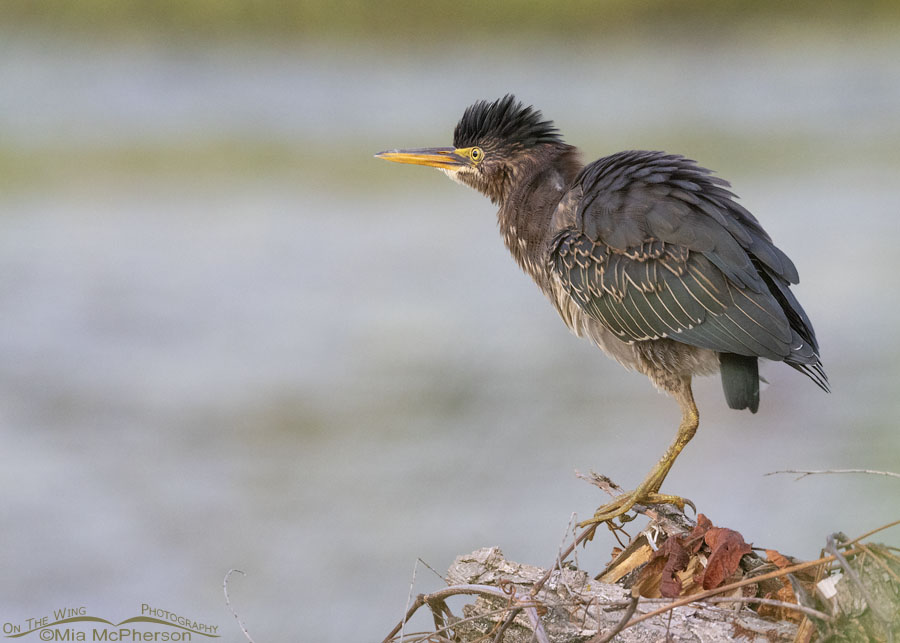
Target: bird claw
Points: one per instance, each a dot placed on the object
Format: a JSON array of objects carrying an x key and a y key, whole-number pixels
[
  {"x": 617, "y": 508},
  {"x": 622, "y": 504},
  {"x": 663, "y": 499}
]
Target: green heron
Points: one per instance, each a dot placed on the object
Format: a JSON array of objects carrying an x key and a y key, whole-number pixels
[{"x": 644, "y": 253}]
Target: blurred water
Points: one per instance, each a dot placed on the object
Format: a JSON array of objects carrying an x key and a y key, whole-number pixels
[{"x": 318, "y": 377}]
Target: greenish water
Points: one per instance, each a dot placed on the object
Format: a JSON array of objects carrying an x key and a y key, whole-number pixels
[{"x": 231, "y": 338}]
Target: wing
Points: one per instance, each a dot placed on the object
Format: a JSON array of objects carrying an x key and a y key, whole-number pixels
[{"x": 654, "y": 247}]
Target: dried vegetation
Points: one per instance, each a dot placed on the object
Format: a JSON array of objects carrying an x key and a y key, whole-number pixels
[{"x": 677, "y": 580}]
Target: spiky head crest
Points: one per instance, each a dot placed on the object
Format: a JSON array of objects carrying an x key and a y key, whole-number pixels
[{"x": 505, "y": 122}]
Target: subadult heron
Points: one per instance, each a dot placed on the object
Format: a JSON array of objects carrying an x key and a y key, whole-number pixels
[{"x": 644, "y": 253}]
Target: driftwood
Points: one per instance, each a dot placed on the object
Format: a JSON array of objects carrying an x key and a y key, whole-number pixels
[
  {"x": 574, "y": 608},
  {"x": 677, "y": 580},
  {"x": 859, "y": 601}
]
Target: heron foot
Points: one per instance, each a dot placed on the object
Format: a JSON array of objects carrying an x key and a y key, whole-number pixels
[{"x": 621, "y": 505}]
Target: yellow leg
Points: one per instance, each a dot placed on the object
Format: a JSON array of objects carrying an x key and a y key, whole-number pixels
[{"x": 647, "y": 492}]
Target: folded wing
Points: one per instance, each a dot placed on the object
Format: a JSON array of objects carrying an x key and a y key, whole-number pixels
[{"x": 654, "y": 247}]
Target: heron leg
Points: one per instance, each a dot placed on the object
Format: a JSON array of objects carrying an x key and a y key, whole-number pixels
[{"x": 647, "y": 493}]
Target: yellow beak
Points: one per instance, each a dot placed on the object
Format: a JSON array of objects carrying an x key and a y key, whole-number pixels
[{"x": 440, "y": 157}]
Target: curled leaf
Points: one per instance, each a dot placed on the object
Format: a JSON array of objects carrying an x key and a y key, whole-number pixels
[
  {"x": 677, "y": 559},
  {"x": 777, "y": 559},
  {"x": 660, "y": 576},
  {"x": 726, "y": 549},
  {"x": 695, "y": 538}
]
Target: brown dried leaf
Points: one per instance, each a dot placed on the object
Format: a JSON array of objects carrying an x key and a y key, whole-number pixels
[
  {"x": 677, "y": 559},
  {"x": 726, "y": 549},
  {"x": 695, "y": 538},
  {"x": 777, "y": 559},
  {"x": 659, "y": 578}
]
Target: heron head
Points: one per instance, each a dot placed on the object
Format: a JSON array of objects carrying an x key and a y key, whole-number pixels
[{"x": 491, "y": 142}]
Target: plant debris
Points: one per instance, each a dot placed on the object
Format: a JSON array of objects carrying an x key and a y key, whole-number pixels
[{"x": 671, "y": 582}]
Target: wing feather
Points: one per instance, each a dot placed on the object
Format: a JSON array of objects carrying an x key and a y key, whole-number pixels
[{"x": 657, "y": 248}]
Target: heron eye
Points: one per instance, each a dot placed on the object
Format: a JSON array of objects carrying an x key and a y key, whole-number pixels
[{"x": 476, "y": 154}]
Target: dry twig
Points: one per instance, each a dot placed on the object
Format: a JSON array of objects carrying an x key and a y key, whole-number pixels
[
  {"x": 623, "y": 622},
  {"x": 409, "y": 599},
  {"x": 422, "y": 599},
  {"x": 803, "y": 473},
  {"x": 505, "y": 625},
  {"x": 228, "y": 602},
  {"x": 771, "y": 601},
  {"x": 871, "y": 533}
]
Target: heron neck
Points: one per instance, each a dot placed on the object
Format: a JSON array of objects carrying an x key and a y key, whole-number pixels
[{"x": 526, "y": 209}]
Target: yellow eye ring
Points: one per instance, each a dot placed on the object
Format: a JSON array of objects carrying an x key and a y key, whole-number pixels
[{"x": 476, "y": 154}]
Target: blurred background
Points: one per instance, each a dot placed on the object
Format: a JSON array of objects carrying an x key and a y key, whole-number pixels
[{"x": 232, "y": 338}]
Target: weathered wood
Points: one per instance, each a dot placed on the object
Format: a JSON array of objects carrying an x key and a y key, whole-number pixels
[
  {"x": 851, "y": 595},
  {"x": 574, "y": 608}
]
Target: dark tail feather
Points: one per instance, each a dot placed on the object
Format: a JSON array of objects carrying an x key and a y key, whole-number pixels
[
  {"x": 740, "y": 380},
  {"x": 815, "y": 372}
]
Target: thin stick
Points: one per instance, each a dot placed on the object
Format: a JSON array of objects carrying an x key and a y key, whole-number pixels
[
  {"x": 803, "y": 473},
  {"x": 609, "y": 636},
  {"x": 454, "y": 624},
  {"x": 436, "y": 572},
  {"x": 419, "y": 602},
  {"x": 453, "y": 590},
  {"x": 560, "y": 556},
  {"x": 869, "y": 533},
  {"x": 771, "y": 601},
  {"x": 409, "y": 599},
  {"x": 586, "y": 534},
  {"x": 513, "y": 613},
  {"x": 886, "y": 551},
  {"x": 228, "y": 603}
]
